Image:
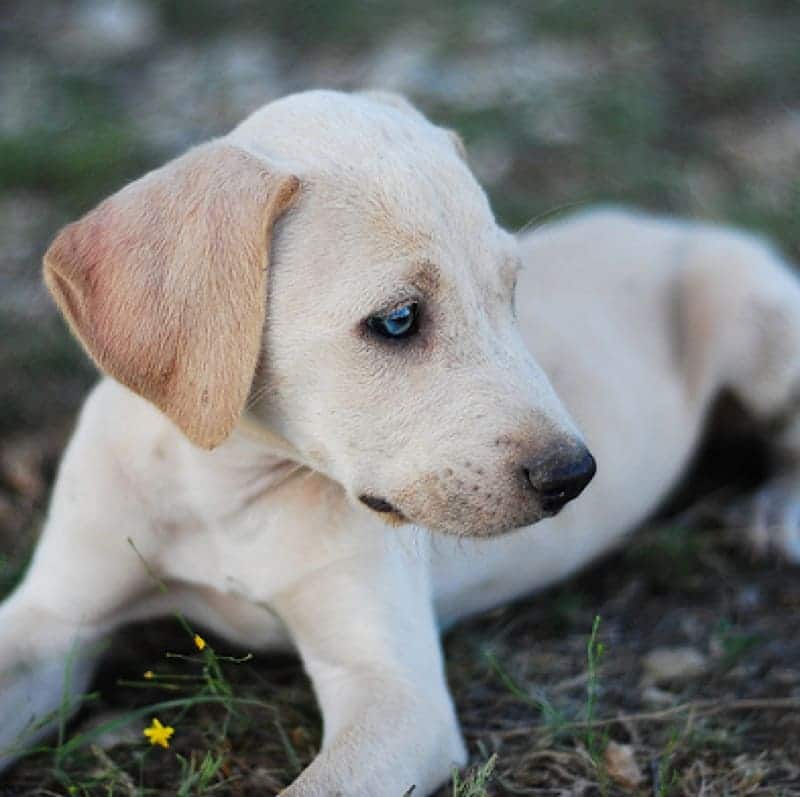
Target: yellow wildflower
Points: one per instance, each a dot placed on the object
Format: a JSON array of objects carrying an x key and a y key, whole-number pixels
[
  {"x": 199, "y": 642},
  {"x": 149, "y": 675},
  {"x": 158, "y": 733}
]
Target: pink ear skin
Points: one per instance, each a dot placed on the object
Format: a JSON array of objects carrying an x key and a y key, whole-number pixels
[{"x": 164, "y": 283}]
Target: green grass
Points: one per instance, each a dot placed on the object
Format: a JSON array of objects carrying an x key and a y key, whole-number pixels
[
  {"x": 78, "y": 163},
  {"x": 734, "y": 645},
  {"x": 666, "y": 779},
  {"x": 562, "y": 725},
  {"x": 203, "y": 683},
  {"x": 580, "y": 732},
  {"x": 80, "y": 766},
  {"x": 475, "y": 783},
  {"x": 595, "y": 742}
]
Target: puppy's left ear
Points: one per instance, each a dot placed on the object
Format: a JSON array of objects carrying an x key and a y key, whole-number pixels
[{"x": 164, "y": 283}]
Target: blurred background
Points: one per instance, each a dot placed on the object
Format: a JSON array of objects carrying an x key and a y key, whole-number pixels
[{"x": 689, "y": 107}]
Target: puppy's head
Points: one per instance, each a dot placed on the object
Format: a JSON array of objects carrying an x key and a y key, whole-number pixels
[{"x": 380, "y": 340}]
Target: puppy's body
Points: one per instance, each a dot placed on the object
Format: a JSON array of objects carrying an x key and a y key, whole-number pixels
[{"x": 638, "y": 323}]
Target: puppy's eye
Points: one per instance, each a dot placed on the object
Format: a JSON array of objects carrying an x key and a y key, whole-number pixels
[{"x": 400, "y": 323}]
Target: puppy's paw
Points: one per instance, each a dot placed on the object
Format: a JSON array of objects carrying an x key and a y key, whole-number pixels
[
  {"x": 767, "y": 522},
  {"x": 386, "y": 758},
  {"x": 34, "y": 698}
]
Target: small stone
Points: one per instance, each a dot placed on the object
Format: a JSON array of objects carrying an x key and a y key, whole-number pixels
[
  {"x": 621, "y": 765},
  {"x": 672, "y": 664},
  {"x": 653, "y": 696}
]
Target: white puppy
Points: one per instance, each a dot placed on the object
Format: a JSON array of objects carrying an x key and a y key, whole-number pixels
[{"x": 309, "y": 329}]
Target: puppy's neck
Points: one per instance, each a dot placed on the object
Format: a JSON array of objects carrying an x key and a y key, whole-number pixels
[
  {"x": 250, "y": 466},
  {"x": 255, "y": 430}
]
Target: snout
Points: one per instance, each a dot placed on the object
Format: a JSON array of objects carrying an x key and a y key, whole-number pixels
[
  {"x": 559, "y": 478},
  {"x": 471, "y": 497}
]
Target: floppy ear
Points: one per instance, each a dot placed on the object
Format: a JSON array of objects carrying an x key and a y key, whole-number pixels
[{"x": 164, "y": 283}]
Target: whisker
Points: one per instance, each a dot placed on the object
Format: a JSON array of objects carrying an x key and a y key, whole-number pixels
[
  {"x": 538, "y": 221},
  {"x": 255, "y": 397}
]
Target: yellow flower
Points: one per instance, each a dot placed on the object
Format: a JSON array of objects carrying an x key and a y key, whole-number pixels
[
  {"x": 199, "y": 642},
  {"x": 158, "y": 733},
  {"x": 149, "y": 675}
]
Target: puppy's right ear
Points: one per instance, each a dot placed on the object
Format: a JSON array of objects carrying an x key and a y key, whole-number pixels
[{"x": 164, "y": 283}]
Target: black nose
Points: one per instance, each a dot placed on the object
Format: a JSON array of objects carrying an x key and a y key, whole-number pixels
[{"x": 558, "y": 479}]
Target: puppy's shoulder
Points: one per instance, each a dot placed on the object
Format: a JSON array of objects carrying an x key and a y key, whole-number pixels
[
  {"x": 115, "y": 420},
  {"x": 604, "y": 250}
]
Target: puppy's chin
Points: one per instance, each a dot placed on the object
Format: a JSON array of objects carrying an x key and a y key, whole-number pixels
[
  {"x": 479, "y": 526},
  {"x": 485, "y": 531}
]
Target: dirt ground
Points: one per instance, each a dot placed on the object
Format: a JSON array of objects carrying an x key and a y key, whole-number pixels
[{"x": 690, "y": 684}]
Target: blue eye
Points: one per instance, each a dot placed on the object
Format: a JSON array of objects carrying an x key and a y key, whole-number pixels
[{"x": 400, "y": 323}]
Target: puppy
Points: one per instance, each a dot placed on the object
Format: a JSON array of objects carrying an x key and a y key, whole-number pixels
[{"x": 322, "y": 412}]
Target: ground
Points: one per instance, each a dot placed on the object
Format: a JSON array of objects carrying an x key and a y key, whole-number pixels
[{"x": 689, "y": 108}]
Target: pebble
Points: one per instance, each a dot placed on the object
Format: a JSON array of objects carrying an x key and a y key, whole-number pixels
[
  {"x": 621, "y": 765},
  {"x": 672, "y": 664}
]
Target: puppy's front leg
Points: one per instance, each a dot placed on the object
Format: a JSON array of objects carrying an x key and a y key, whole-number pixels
[
  {"x": 365, "y": 629},
  {"x": 82, "y": 578}
]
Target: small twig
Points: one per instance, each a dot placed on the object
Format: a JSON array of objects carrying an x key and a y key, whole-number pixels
[
  {"x": 703, "y": 708},
  {"x": 570, "y": 683},
  {"x": 39, "y": 792},
  {"x": 125, "y": 780}
]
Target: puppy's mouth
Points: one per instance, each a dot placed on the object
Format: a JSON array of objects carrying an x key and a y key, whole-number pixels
[
  {"x": 392, "y": 516},
  {"x": 387, "y": 511}
]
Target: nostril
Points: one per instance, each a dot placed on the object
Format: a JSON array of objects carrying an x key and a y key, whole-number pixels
[{"x": 557, "y": 481}]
